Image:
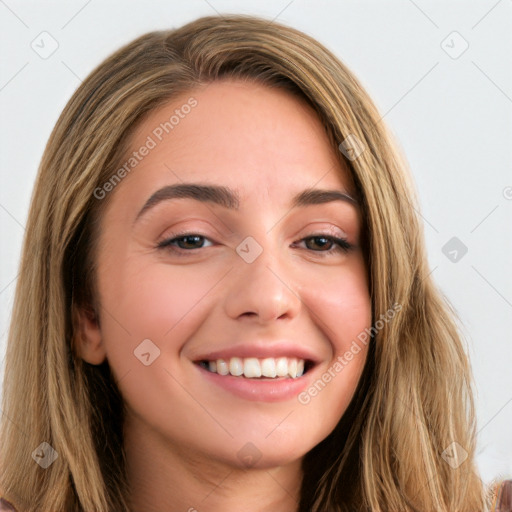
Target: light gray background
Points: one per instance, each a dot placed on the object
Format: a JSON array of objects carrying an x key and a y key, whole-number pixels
[{"x": 452, "y": 117}]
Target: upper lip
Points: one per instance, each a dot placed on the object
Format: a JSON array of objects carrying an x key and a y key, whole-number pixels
[{"x": 260, "y": 350}]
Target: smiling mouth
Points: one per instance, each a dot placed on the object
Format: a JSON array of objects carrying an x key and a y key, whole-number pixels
[{"x": 254, "y": 368}]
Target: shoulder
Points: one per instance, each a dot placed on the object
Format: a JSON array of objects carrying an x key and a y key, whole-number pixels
[
  {"x": 504, "y": 497},
  {"x": 5, "y": 506}
]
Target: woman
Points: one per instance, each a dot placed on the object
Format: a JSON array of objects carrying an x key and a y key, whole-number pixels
[{"x": 224, "y": 296}]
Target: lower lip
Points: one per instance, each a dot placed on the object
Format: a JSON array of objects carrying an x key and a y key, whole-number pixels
[{"x": 258, "y": 390}]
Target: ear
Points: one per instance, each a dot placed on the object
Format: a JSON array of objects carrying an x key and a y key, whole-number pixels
[{"x": 88, "y": 338}]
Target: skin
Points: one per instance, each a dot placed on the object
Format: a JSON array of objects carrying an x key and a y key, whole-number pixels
[{"x": 183, "y": 434}]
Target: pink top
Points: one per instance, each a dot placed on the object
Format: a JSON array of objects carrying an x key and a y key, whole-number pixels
[
  {"x": 5, "y": 506},
  {"x": 504, "y": 498}
]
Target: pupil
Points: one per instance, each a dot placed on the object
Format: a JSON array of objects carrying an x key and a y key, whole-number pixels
[
  {"x": 323, "y": 241},
  {"x": 190, "y": 239}
]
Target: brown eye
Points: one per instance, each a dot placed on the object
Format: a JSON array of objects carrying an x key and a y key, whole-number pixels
[
  {"x": 190, "y": 241},
  {"x": 321, "y": 242},
  {"x": 185, "y": 242},
  {"x": 326, "y": 244}
]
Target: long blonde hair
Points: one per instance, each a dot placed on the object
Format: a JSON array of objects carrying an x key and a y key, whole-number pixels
[{"x": 414, "y": 398}]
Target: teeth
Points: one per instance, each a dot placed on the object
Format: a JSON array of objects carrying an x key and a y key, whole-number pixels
[
  {"x": 292, "y": 368},
  {"x": 222, "y": 367},
  {"x": 251, "y": 367},
  {"x": 282, "y": 367},
  {"x": 236, "y": 366},
  {"x": 268, "y": 367},
  {"x": 300, "y": 367}
]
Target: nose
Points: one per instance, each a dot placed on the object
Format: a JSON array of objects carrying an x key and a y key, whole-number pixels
[{"x": 262, "y": 291}]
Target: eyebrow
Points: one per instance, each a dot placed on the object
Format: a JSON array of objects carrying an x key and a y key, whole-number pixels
[{"x": 228, "y": 198}]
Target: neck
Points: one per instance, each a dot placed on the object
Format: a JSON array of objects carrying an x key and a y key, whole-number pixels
[{"x": 164, "y": 477}]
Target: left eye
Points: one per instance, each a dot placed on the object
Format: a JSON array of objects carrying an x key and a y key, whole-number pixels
[
  {"x": 320, "y": 243},
  {"x": 328, "y": 243}
]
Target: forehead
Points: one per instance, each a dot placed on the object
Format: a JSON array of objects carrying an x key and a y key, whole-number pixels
[{"x": 241, "y": 134}]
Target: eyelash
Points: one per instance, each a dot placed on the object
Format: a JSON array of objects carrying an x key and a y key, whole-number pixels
[{"x": 341, "y": 244}]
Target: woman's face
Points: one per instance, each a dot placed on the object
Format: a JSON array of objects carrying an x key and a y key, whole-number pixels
[{"x": 217, "y": 254}]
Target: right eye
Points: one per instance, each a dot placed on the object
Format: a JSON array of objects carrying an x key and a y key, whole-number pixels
[{"x": 183, "y": 242}]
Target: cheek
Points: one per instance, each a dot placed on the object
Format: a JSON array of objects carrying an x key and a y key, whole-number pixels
[
  {"x": 342, "y": 307},
  {"x": 152, "y": 301},
  {"x": 153, "y": 310},
  {"x": 341, "y": 304}
]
